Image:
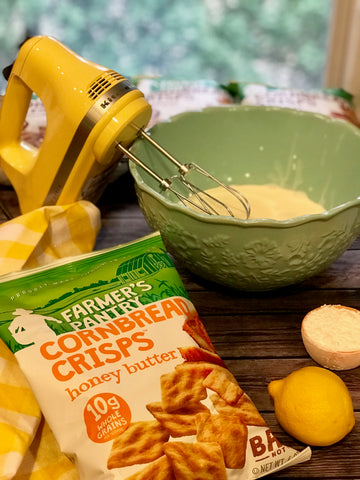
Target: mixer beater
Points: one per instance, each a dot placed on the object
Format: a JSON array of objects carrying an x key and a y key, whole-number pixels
[{"x": 199, "y": 199}]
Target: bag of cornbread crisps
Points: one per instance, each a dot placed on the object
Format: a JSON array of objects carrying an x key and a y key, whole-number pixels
[
  {"x": 332, "y": 102},
  {"x": 126, "y": 375}
]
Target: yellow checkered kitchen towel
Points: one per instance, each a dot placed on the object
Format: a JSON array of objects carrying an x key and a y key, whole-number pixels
[
  {"x": 47, "y": 234},
  {"x": 28, "y": 449}
]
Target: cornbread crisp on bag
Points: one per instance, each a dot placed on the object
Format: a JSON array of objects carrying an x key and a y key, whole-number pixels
[
  {"x": 198, "y": 461},
  {"x": 141, "y": 442},
  {"x": 195, "y": 328},
  {"x": 229, "y": 432},
  {"x": 222, "y": 382},
  {"x": 179, "y": 424},
  {"x": 126, "y": 375},
  {"x": 244, "y": 408},
  {"x": 160, "y": 469},
  {"x": 184, "y": 386},
  {"x": 197, "y": 354}
]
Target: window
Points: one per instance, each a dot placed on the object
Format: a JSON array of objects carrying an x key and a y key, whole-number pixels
[
  {"x": 278, "y": 42},
  {"x": 343, "y": 63}
]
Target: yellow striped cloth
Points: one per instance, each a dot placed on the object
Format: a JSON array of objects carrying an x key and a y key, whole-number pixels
[
  {"x": 28, "y": 449},
  {"x": 46, "y": 234}
]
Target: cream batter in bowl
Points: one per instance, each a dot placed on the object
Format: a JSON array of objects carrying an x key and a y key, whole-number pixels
[
  {"x": 263, "y": 147},
  {"x": 266, "y": 201}
]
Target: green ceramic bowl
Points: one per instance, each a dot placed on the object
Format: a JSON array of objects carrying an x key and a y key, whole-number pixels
[{"x": 258, "y": 145}]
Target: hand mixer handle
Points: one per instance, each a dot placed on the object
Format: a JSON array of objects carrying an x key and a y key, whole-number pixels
[
  {"x": 13, "y": 111},
  {"x": 13, "y": 114}
]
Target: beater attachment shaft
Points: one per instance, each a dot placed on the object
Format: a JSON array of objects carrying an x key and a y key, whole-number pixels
[{"x": 199, "y": 199}]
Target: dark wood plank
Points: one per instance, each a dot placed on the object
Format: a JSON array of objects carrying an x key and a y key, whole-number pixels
[
  {"x": 121, "y": 230},
  {"x": 254, "y": 336},
  {"x": 298, "y": 301}
]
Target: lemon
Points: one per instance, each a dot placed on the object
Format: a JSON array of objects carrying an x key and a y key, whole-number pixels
[{"x": 313, "y": 405}]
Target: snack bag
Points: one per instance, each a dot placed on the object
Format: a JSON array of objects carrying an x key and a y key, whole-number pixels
[
  {"x": 332, "y": 102},
  {"x": 170, "y": 97},
  {"x": 126, "y": 375}
]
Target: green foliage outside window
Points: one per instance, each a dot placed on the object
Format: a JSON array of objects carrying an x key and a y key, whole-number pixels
[{"x": 278, "y": 42}]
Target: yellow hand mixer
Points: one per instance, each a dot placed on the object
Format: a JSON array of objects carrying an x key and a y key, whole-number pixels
[{"x": 93, "y": 115}]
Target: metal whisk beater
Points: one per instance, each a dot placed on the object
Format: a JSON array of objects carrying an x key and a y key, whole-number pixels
[{"x": 200, "y": 199}]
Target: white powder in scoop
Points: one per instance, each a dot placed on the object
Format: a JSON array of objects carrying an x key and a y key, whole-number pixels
[{"x": 336, "y": 329}]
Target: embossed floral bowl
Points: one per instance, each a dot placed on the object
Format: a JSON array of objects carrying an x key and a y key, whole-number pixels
[{"x": 258, "y": 145}]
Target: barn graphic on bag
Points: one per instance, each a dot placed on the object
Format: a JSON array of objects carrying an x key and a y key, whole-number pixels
[{"x": 142, "y": 266}]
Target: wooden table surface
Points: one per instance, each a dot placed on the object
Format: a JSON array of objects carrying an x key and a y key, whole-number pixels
[{"x": 257, "y": 334}]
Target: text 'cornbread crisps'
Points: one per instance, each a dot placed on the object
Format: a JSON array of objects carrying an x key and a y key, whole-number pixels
[{"x": 126, "y": 375}]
